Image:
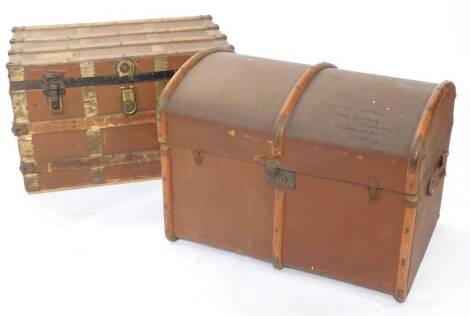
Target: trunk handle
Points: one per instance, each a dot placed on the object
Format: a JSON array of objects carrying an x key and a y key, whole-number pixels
[{"x": 438, "y": 174}]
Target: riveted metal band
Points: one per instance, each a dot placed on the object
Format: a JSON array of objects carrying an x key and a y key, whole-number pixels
[
  {"x": 277, "y": 150},
  {"x": 16, "y": 73},
  {"x": 89, "y": 98},
  {"x": 20, "y": 106},
  {"x": 26, "y": 148}
]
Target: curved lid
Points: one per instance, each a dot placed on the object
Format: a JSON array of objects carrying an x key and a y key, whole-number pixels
[{"x": 346, "y": 126}]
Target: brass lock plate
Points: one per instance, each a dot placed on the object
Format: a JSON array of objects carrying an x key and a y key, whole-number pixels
[{"x": 128, "y": 103}]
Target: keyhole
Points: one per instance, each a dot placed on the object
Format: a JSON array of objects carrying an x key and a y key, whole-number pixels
[
  {"x": 124, "y": 67},
  {"x": 282, "y": 179}
]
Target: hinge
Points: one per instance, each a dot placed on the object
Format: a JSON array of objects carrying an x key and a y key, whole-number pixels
[
  {"x": 281, "y": 178},
  {"x": 197, "y": 157},
  {"x": 438, "y": 174},
  {"x": 54, "y": 90},
  {"x": 373, "y": 188}
]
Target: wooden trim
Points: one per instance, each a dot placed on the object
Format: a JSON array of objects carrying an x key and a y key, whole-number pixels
[
  {"x": 104, "y": 121},
  {"x": 415, "y": 161},
  {"x": 409, "y": 219},
  {"x": 111, "y": 57},
  {"x": 48, "y": 166},
  {"x": 290, "y": 103},
  {"x": 167, "y": 193},
  {"x": 92, "y": 185},
  {"x": 114, "y": 34},
  {"x": 98, "y": 24},
  {"x": 278, "y": 227},
  {"x": 174, "y": 83},
  {"x": 120, "y": 44},
  {"x": 419, "y": 139},
  {"x": 277, "y": 151}
]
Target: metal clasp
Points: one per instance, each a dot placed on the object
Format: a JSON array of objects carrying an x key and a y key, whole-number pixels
[
  {"x": 54, "y": 90},
  {"x": 279, "y": 177},
  {"x": 128, "y": 104}
]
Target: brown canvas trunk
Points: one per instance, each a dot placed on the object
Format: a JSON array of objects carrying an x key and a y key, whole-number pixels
[
  {"x": 329, "y": 171},
  {"x": 84, "y": 96}
]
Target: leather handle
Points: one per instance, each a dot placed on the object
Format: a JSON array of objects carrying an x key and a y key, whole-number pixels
[{"x": 438, "y": 174}]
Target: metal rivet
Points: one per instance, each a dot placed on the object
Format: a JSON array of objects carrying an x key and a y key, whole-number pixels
[
  {"x": 125, "y": 67},
  {"x": 407, "y": 230},
  {"x": 403, "y": 262}
]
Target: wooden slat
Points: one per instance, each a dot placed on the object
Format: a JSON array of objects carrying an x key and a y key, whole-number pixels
[
  {"x": 99, "y": 24},
  {"x": 17, "y": 42},
  {"x": 90, "y": 162},
  {"x": 167, "y": 193},
  {"x": 78, "y": 45},
  {"x": 278, "y": 227},
  {"x": 114, "y": 53},
  {"x": 108, "y": 29},
  {"x": 76, "y": 124}
]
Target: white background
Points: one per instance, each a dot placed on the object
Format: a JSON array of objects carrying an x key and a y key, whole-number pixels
[{"x": 102, "y": 251}]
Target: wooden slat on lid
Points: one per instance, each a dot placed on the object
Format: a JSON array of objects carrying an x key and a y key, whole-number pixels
[
  {"x": 105, "y": 24},
  {"x": 76, "y": 43},
  {"x": 114, "y": 53}
]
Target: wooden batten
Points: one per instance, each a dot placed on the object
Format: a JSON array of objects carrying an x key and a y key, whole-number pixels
[
  {"x": 167, "y": 193},
  {"x": 102, "y": 121},
  {"x": 277, "y": 151},
  {"x": 104, "y": 24},
  {"x": 414, "y": 187}
]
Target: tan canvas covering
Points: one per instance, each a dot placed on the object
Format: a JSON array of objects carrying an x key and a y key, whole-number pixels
[{"x": 334, "y": 172}]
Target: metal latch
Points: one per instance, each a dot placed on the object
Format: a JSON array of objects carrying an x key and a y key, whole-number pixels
[
  {"x": 438, "y": 174},
  {"x": 279, "y": 177},
  {"x": 128, "y": 104},
  {"x": 54, "y": 90}
]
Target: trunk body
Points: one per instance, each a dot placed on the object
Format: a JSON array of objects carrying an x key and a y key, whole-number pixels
[
  {"x": 328, "y": 171},
  {"x": 84, "y": 96}
]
